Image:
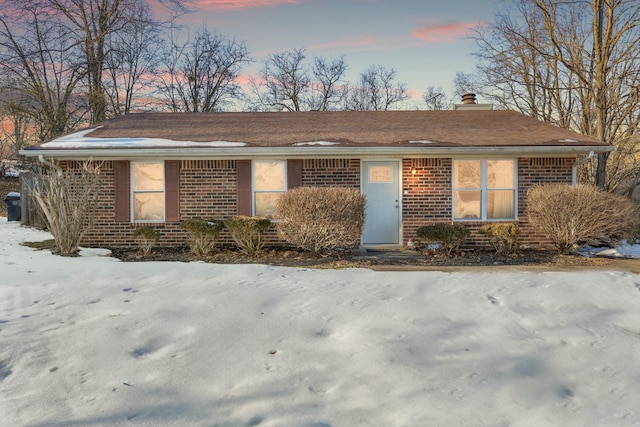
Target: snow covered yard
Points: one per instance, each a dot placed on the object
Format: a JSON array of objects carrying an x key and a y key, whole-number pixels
[{"x": 92, "y": 341}]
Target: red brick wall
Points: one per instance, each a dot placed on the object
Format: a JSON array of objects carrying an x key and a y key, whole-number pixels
[
  {"x": 537, "y": 171},
  {"x": 323, "y": 173},
  {"x": 427, "y": 194},
  {"x": 105, "y": 231},
  {"x": 208, "y": 190},
  {"x": 331, "y": 173},
  {"x": 426, "y": 197}
]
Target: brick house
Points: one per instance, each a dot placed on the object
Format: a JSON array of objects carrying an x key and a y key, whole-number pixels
[{"x": 469, "y": 165}]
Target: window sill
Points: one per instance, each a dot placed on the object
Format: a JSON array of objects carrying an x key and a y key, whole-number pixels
[{"x": 484, "y": 220}]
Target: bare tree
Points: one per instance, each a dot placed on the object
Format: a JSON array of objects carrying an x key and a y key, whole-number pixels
[
  {"x": 90, "y": 23},
  {"x": 54, "y": 53},
  {"x": 464, "y": 83},
  {"x": 284, "y": 82},
  {"x": 203, "y": 73},
  {"x": 435, "y": 98},
  {"x": 288, "y": 83},
  {"x": 574, "y": 64},
  {"x": 16, "y": 131},
  {"x": 131, "y": 61},
  {"x": 168, "y": 79},
  {"x": 40, "y": 68},
  {"x": 329, "y": 89},
  {"x": 376, "y": 90}
]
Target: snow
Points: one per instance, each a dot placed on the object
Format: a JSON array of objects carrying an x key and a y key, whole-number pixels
[
  {"x": 94, "y": 341},
  {"x": 624, "y": 250},
  {"x": 9, "y": 168},
  {"x": 316, "y": 143},
  {"x": 80, "y": 140}
]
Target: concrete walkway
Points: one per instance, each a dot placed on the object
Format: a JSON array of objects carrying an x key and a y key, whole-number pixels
[{"x": 390, "y": 255}]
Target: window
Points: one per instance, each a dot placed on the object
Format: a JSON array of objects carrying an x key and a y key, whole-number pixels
[
  {"x": 148, "y": 191},
  {"x": 382, "y": 174},
  {"x": 484, "y": 189},
  {"x": 269, "y": 183}
]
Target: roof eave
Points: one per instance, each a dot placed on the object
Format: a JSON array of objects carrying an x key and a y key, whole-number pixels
[{"x": 312, "y": 152}]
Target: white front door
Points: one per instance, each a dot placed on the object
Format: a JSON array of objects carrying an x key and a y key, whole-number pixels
[{"x": 381, "y": 185}]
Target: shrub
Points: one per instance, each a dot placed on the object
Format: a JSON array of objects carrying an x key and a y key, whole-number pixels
[
  {"x": 321, "y": 219},
  {"x": 502, "y": 236},
  {"x": 570, "y": 215},
  {"x": 247, "y": 232},
  {"x": 147, "y": 238},
  {"x": 451, "y": 236},
  {"x": 67, "y": 201},
  {"x": 202, "y": 235}
]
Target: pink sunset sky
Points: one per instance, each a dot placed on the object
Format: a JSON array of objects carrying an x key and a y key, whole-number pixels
[{"x": 424, "y": 40}]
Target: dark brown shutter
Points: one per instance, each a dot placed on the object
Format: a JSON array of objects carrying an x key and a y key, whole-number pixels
[
  {"x": 172, "y": 190},
  {"x": 294, "y": 174},
  {"x": 123, "y": 193},
  {"x": 243, "y": 183}
]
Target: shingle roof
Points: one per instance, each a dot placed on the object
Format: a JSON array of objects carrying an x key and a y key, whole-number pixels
[{"x": 493, "y": 128}]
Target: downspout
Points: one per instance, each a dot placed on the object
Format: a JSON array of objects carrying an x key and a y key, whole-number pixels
[
  {"x": 574, "y": 168},
  {"x": 41, "y": 159}
]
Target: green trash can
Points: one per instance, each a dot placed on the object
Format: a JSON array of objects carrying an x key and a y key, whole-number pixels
[{"x": 14, "y": 212}]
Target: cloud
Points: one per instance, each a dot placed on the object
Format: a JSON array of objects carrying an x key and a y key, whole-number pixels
[
  {"x": 245, "y": 79},
  {"x": 443, "y": 33},
  {"x": 446, "y": 33},
  {"x": 352, "y": 44},
  {"x": 237, "y": 4}
]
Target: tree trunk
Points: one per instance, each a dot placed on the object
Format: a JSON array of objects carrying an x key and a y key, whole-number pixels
[{"x": 601, "y": 171}]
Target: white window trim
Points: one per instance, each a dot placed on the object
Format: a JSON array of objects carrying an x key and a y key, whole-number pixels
[
  {"x": 133, "y": 192},
  {"x": 253, "y": 182},
  {"x": 484, "y": 191}
]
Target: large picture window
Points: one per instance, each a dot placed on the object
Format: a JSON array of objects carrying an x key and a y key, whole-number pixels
[
  {"x": 484, "y": 189},
  {"x": 148, "y": 190},
  {"x": 269, "y": 183}
]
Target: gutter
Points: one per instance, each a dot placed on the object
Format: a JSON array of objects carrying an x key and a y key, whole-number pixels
[
  {"x": 307, "y": 152},
  {"x": 42, "y": 160},
  {"x": 574, "y": 168}
]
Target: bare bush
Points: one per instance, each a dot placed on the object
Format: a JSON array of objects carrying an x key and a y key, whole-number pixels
[
  {"x": 67, "y": 200},
  {"x": 321, "y": 219},
  {"x": 248, "y": 232},
  {"x": 570, "y": 215}
]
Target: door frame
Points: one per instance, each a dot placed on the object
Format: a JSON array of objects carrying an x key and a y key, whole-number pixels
[{"x": 363, "y": 177}]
